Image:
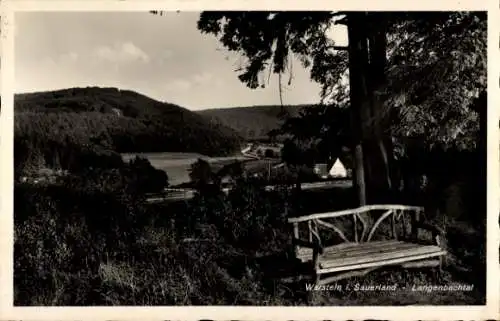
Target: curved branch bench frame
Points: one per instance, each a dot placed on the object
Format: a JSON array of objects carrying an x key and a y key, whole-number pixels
[{"x": 373, "y": 254}]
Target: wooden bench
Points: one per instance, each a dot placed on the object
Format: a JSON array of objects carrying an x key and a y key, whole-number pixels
[{"x": 361, "y": 243}]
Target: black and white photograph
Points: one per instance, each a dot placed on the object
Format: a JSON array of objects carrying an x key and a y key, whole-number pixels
[{"x": 250, "y": 158}]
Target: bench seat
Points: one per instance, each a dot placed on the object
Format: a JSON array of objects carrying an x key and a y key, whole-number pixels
[{"x": 353, "y": 256}]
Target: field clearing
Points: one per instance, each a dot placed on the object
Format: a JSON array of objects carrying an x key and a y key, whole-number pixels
[{"x": 177, "y": 165}]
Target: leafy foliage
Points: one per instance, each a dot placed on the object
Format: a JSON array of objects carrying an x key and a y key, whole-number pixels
[
  {"x": 437, "y": 70},
  {"x": 320, "y": 132},
  {"x": 268, "y": 39},
  {"x": 437, "y": 63}
]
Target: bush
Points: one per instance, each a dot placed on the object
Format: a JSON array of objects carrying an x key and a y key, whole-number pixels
[
  {"x": 68, "y": 228},
  {"x": 145, "y": 178}
]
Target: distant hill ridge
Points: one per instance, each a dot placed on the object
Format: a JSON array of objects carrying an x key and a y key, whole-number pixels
[
  {"x": 97, "y": 99},
  {"x": 253, "y": 122}
]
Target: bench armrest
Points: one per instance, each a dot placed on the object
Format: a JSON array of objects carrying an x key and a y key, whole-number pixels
[
  {"x": 312, "y": 245},
  {"x": 431, "y": 228}
]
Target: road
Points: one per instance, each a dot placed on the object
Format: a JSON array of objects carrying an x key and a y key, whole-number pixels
[{"x": 186, "y": 194}]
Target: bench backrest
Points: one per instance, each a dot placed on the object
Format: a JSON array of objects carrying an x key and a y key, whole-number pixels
[{"x": 393, "y": 212}]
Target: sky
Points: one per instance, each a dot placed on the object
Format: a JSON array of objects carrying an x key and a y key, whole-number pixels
[{"x": 163, "y": 57}]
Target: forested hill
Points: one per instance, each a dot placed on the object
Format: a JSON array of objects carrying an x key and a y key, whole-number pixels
[
  {"x": 253, "y": 122},
  {"x": 53, "y": 128},
  {"x": 124, "y": 120}
]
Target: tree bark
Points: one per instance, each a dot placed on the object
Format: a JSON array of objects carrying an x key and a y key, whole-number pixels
[
  {"x": 358, "y": 63},
  {"x": 381, "y": 180},
  {"x": 373, "y": 150}
]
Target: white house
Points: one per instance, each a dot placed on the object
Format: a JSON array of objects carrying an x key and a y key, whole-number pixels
[{"x": 338, "y": 170}]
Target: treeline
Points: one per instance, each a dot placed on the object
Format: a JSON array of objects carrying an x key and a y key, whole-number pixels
[{"x": 60, "y": 129}]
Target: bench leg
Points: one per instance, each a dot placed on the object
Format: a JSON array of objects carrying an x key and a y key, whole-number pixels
[
  {"x": 437, "y": 271},
  {"x": 312, "y": 295},
  {"x": 315, "y": 275},
  {"x": 440, "y": 268},
  {"x": 435, "y": 274},
  {"x": 316, "y": 278}
]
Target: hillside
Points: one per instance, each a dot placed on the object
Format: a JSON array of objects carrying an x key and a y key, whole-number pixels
[
  {"x": 49, "y": 126},
  {"x": 253, "y": 122}
]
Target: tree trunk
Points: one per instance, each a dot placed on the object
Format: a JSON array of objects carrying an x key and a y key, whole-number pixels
[
  {"x": 379, "y": 149},
  {"x": 358, "y": 63},
  {"x": 372, "y": 147}
]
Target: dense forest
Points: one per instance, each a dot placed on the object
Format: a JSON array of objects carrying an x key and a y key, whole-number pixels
[{"x": 61, "y": 129}]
